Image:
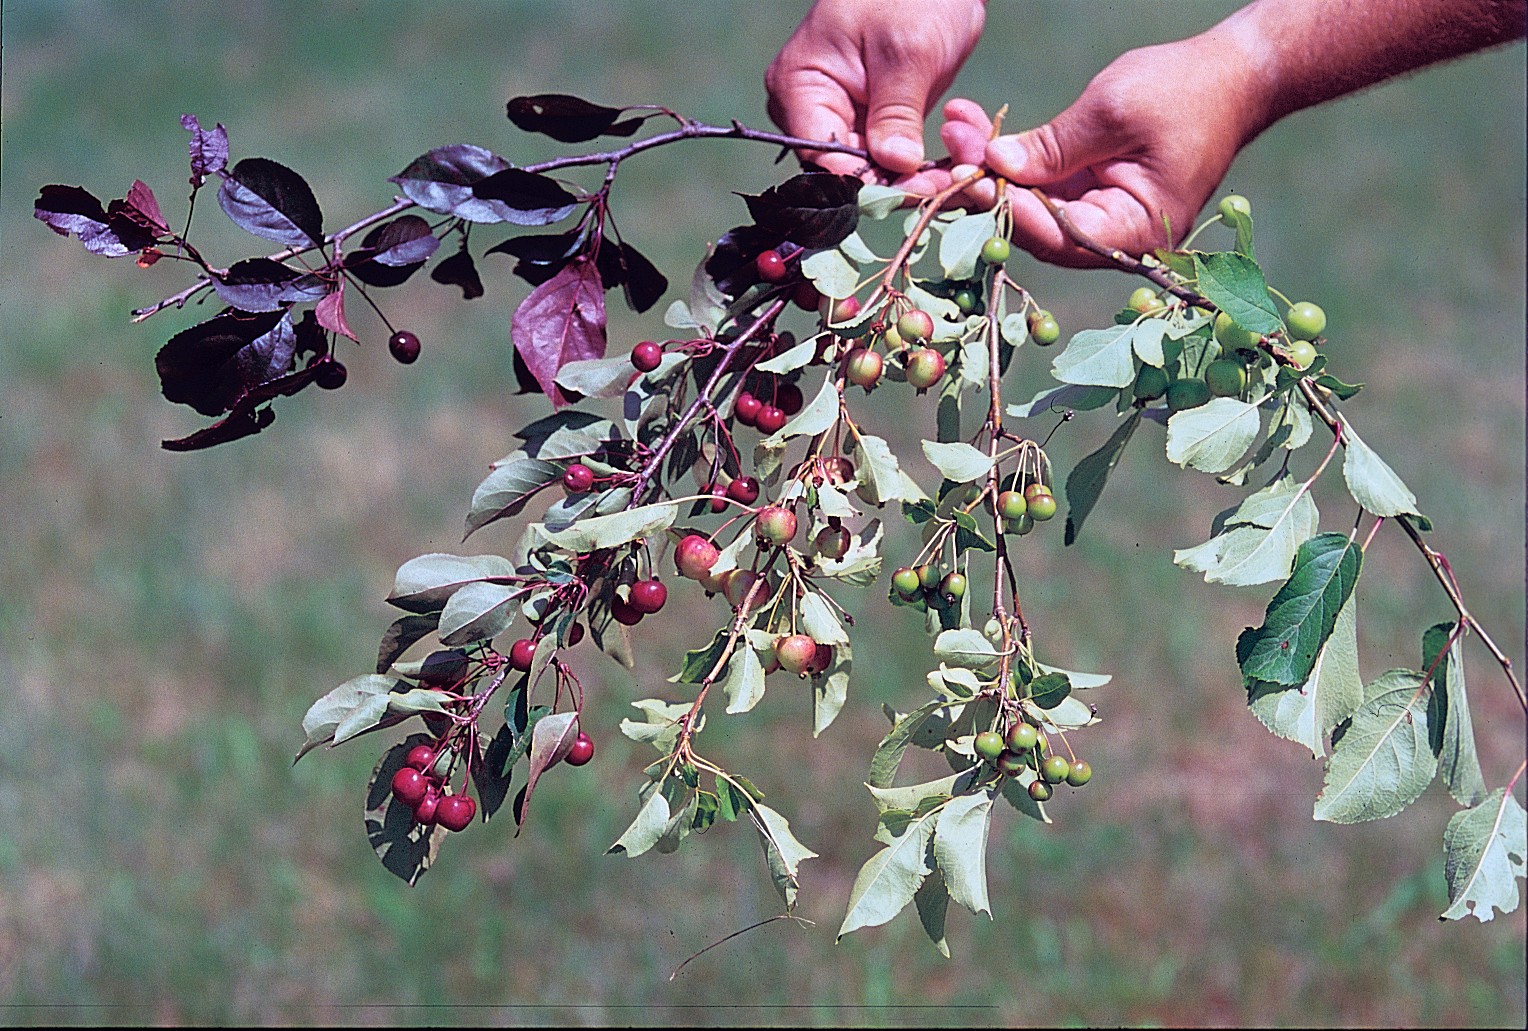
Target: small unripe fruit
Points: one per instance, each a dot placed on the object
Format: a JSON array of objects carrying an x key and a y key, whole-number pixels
[
  {"x": 1042, "y": 507},
  {"x": 1234, "y": 337},
  {"x": 1232, "y": 203},
  {"x": 1022, "y": 525},
  {"x": 1022, "y": 737},
  {"x": 894, "y": 341},
  {"x": 577, "y": 478},
  {"x": 744, "y": 489},
  {"x": 771, "y": 267},
  {"x": 929, "y": 576},
  {"x": 1183, "y": 394},
  {"x": 1040, "y": 791},
  {"x": 420, "y": 757},
  {"x": 1226, "y": 377},
  {"x": 646, "y": 356},
  {"x": 996, "y": 250},
  {"x": 863, "y": 368},
  {"x": 925, "y": 367},
  {"x": 1011, "y": 504},
  {"x": 915, "y": 326},
  {"x": 1306, "y": 321},
  {"x": 1144, "y": 299},
  {"x": 1034, "y": 489},
  {"x": 776, "y": 525},
  {"x": 410, "y": 786},
  {"x": 404, "y": 346},
  {"x": 905, "y": 581},
  {"x": 953, "y": 587},
  {"x": 737, "y": 585},
  {"x": 581, "y": 751},
  {"x": 840, "y": 311},
  {"x": 455, "y": 812},
  {"x": 770, "y": 419},
  {"x": 1011, "y": 763},
  {"x": 831, "y": 543},
  {"x": 1055, "y": 768},
  {"x": 1302, "y": 353},
  {"x": 797, "y": 653},
  {"x": 966, "y": 301},
  {"x": 1150, "y": 383},
  {"x": 521, "y": 653},
  {"x": 989, "y": 745},
  {"x": 1079, "y": 774},
  {"x": 1044, "y": 330},
  {"x": 747, "y": 408},
  {"x": 648, "y": 596},
  {"x": 695, "y": 556}
]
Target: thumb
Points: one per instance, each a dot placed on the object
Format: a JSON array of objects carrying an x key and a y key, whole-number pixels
[
  {"x": 1067, "y": 144},
  {"x": 895, "y": 108}
]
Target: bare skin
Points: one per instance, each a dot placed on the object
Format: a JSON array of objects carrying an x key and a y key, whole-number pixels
[{"x": 1128, "y": 159}]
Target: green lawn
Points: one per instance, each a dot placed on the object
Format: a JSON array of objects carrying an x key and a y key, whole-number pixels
[{"x": 166, "y": 619}]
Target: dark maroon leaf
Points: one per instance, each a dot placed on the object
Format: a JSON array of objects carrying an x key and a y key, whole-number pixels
[
  {"x": 491, "y": 776},
  {"x": 608, "y": 260},
  {"x": 563, "y": 320},
  {"x": 209, "y": 150},
  {"x": 458, "y": 270},
  {"x": 442, "y": 181},
  {"x": 392, "y": 252},
  {"x": 260, "y": 284},
  {"x": 405, "y": 848},
  {"x": 731, "y": 265},
  {"x": 236, "y": 425},
  {"x": 272, "y": 201},
  {"x": 214, "y": 363},
  {"x": 405, "y": 632},
  {"x": 72, "y": 211},
  {"x": 816, "y": 209},
  {"x": 525, "y": 382},
  {"x": 569, "y": 119},
  {"x": 141, "y": 209},
  {"x": 644, "y": 284},
  {"x": 541, "y": 248},
  {"x": 533, "y": 200}
]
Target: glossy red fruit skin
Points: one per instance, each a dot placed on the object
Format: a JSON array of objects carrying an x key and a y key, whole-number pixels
[
  {"x": 410, "y": 786},
  {"x": 521, "y": 653},
  {"x": 420, "y": 757},
  {"x": 718, "y": 496},
  {"x": 807, "y": 298},
  {"x": 581, "y": 751},
  {"x": 822, "y": 658},
  {"x": 841, "y": 310},
  {"x": 404, "y": 346},
  {"x": 455, "y": 812},
  {"x": 646, "y": 356},
  {"x": 771, "y": 267},
  {"x": 424, "y": 812},
  {"x": 788, "y": 398},
  {"x": 577, "y": 478},
  {"x": 695, "y": 556},
  {"x": 770, "y": 419},
  {"x": 331, "y": 375},
  {"x": 648, "y": 596},
  {"x": 624, "y": 613},
  {"x": 744, "y": 490},
  {"x": 747, "y": 408},
  {"x": 575, "y": 634}
]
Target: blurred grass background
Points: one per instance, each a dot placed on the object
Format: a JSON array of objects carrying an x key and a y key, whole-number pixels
[{"x": 166, "y": 619}]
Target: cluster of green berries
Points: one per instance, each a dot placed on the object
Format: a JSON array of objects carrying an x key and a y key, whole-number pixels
[
  {"x": 927, "y": 586},
  {"x": 1024, "y": 747},
  {"x": 1021, "y": 511}
]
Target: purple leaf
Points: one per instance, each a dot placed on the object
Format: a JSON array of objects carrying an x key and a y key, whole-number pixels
[
  {"x": 644, "y": 284},
  {"x": 272, "y": 201},
  {"x": 731, "y": 264},
  {"x": 533, "y": 200},
  {"x": 214, "y": 363},
  {"x": 551, "y": 738},
  {"x": 209, "y": 150},
  {"x": 569, "y": 119},
  {"x": 563, "y": 320},
  {"x": 330, "y": 313},
  {"x": 392, "y": 252},
  {"x": 817, "y": 209},
  {"x": 141, "y": 209},
  {"x": 458, "y": 270},
  {"x": 442, "y": 181},
  {"x": 260, "y": 284},
  {"x": 72, "y": 211}
]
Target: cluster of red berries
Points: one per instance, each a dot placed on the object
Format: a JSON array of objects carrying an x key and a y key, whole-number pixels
[
  {"x": 767, "y": 403},
  {"x": 417, "y": 786},
  {"x": 1023, "y": 747},
  {"x": 744, "y": 490},
  {"x": 645, "y": 597}
]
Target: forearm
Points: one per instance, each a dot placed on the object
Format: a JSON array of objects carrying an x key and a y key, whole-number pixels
[{"x": 1306, "y": 52}]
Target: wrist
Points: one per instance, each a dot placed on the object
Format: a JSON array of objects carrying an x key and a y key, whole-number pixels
[{"x": 1243, "y": 58}]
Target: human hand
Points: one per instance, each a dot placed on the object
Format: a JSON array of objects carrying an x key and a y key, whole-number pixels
[
  {"x": 866, "y": 72},
  {"x": 1140, "y": 150}
]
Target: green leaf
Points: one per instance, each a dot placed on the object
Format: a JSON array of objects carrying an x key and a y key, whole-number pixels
[
  {"x": 406, "y": 848},
  {"x": 798, "y": 357},
  {"x": 1049, "y": 690},
  {"x": 966, "y": 648},
  {"x": 819, "y": 622},
  {"x": 932, "y": 900},
  {"x": 890, "y": 878},
  {"x": 1055, "y": 400},
  {"x": 880, "y": 477},
  {"x": 1302, "y": 614},
  {"x": 958, "y": 463},
  {"x": 782, "y": 852},
  {"x": 961, "y": 246},
  {"x": 744, "y": 685},
  {"x": 476, "y": 612},
  {"x": 960, "y": 849},
  {"x": 1213, "y": 436},
  {"x": 699, "y": 662},
  {"x": 818, "y": 416},
  {"x": 878, "y": 202},
  {"x": 1234, "y": 283},
  {"x": 1448, "y": 715},
  {"x": 661, "y": 727},
  {"x": 646, "y": 829},
  {"x": 425, "y": 583},
  {"x": 1147, "y": 341},
  {"x": 1342, "y": 390},
  {"x": 888, "y": 754},
  {"x": 831, "y": 691},
  {"x": 551, "y": 738},
  {"x": 1330, "y": 695},
  {"x": 1373, "y": 484},
  {"x": 1383, "y": 761},
  {"x": 506, "y": 489},
  {"x": 831, "y": 272},
  {"x": 405, "y": 632},
  {"x": 356, "y": 705},
  {"x": 610, "y": 531},
  {"x": 1097, "y": 357},
  {"x": 1483, "y": 856},
  {"x": 1261, "y": 538},
  {"x": 1087, "y": 479},
  {"x": 596, "y": 377}
]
